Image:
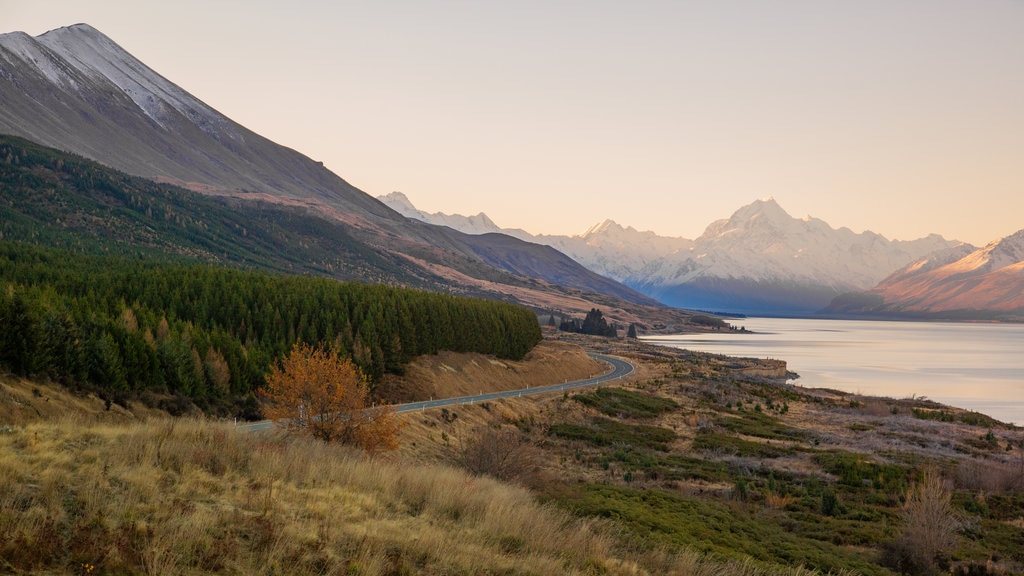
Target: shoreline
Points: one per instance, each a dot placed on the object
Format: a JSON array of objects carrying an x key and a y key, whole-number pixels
[{"x": 970, "y": 366}]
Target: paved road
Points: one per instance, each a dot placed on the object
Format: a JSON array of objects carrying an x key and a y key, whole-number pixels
[{"x": 620, "y": 369}]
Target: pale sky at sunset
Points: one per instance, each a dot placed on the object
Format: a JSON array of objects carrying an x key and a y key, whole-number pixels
[{"x": 900, "y": 116}]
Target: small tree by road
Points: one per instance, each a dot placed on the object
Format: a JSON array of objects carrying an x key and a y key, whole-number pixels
[{"x": 317, "y": 392}]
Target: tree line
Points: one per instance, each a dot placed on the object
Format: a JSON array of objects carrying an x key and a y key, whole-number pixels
[
  {"x": 124, "y": 326},
  {"x": 594, "y": 323}
]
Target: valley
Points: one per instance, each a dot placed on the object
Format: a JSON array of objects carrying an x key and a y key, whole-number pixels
[
  {"x": 690, "y": 466},
  {"x": 158, "y": 260}
]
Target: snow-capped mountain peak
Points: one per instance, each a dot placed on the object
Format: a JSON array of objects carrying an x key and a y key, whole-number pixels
[
  {"x": 79, "y": 55},
  {"x": 997, "y": 254},
  {"x": 400, "y": 203},
  {"x": 605, "y": 228},
  {"x": 763, "y": 216},
  {"x": 759, "y": 245},
  {"x": 478, "y": 224}
]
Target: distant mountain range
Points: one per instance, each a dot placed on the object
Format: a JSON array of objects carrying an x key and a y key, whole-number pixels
[
  {"x": 76, "y": 90},
  {"x": 761, "y": 260},
  {"x": 961, "y": 283}
]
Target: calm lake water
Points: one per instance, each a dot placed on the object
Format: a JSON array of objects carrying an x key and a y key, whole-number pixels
[{"x": 975, "y": 366}]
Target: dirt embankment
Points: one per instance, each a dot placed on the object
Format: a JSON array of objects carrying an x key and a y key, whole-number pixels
[{"x": 449, "y": 374}]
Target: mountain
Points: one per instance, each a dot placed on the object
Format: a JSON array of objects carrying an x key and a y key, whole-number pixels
[
  {"x": 961, "y": 283},
  {"x": 760, "y": 260},
  {"x": 479, "y": 224},
  {"x": 76, "y": 90}
]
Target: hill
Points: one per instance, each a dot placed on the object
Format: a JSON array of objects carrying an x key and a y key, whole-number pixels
[
  {"x": 52, "y": 198},
  {"x": 76, "y": 90}
]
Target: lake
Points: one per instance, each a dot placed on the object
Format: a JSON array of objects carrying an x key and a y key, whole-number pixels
[{"x": 975, "y": 366}]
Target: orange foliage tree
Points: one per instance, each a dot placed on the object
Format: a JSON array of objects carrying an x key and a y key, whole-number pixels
[{"x": 318, "y": 392}]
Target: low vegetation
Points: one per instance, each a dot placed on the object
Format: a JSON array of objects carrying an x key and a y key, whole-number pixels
[
  {"x": 190, "y": 496},
  {"x": 702, "y": 458}
]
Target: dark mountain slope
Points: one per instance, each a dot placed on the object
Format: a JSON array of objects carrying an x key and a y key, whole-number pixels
[
  {"x": 55, "y": 199},
  {"x": 75, "y": 89}
]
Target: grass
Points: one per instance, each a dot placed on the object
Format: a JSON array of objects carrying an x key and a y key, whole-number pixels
[
  {"x": 726, "y": 444},
  {"x": 804, "y": 482},
  {"x": 625, "y": 403},
  {"x": 189, "y": 496},
  {"x": 717, "y": 529},
  {"x": 967, "y": 417},
  {"x": 606, "y": 432},
  {"x": 760, "y": 425}
]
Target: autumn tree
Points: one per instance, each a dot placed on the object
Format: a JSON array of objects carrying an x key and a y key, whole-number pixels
[{"x": 316, "y": 391}]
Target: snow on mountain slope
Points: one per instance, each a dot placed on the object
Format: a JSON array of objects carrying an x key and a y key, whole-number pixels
[
  {"x": 95, "y": 55},
  {"x": 987, "y": 279},
  {"x": 616, "y": 251},
  {"x": 479, "y": 224},
  {"x": 759, "y": 247},
  {"x": 761, "y": 242},
  {"x": 606, "y": 248}
]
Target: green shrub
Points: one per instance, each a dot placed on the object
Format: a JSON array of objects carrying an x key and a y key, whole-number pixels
[{"x": 626, "y": 403}]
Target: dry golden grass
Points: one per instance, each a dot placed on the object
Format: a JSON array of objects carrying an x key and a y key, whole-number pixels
[
  {"x": 192, "y": 496},
  {"x": 449, "y": 374}
]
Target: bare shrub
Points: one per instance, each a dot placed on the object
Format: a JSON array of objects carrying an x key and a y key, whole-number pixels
[
  {"x": 501, "y": 452},
  {"x": 875, "y": 407},
  {"x": 989, "y": 476},
  {"x": 929, "y": 531}
]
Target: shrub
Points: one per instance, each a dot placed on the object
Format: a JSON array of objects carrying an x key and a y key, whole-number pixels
[
  {"x": 929, "y": 531},
  {"x": 317, "y": 392},
  {"x": 499, "y": 452}
]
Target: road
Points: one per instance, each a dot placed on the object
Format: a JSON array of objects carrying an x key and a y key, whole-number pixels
[{"x": 620, "y": 369}]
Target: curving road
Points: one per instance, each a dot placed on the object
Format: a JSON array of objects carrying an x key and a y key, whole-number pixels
[{"x": 620, "y": 369}]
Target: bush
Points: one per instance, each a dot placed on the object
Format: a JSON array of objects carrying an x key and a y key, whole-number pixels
[
  {"x": 930, "y": 529},
  {"x": 326, "y": 396},
  {"x": 499, "y": 452}
]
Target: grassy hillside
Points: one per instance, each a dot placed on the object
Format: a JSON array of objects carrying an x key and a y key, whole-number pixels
[
  {"x": 183, "y": 496},
  {"x": 696, "y": 455},
  {"x": 55, "y": 199},
  {"x": 691, "y": 468}
]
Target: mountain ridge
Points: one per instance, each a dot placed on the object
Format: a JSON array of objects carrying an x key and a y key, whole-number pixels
[
  {"x": 759, "y": 260},
  {"x": 76, "y": 90},
  {"x": 962, "y": 283}
]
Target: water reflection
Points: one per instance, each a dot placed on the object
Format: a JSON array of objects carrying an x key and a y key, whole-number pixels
[{"x": 974, "y": 366}]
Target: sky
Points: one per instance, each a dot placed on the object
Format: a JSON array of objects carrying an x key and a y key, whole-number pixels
[{"x": 904, "y": 117}]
